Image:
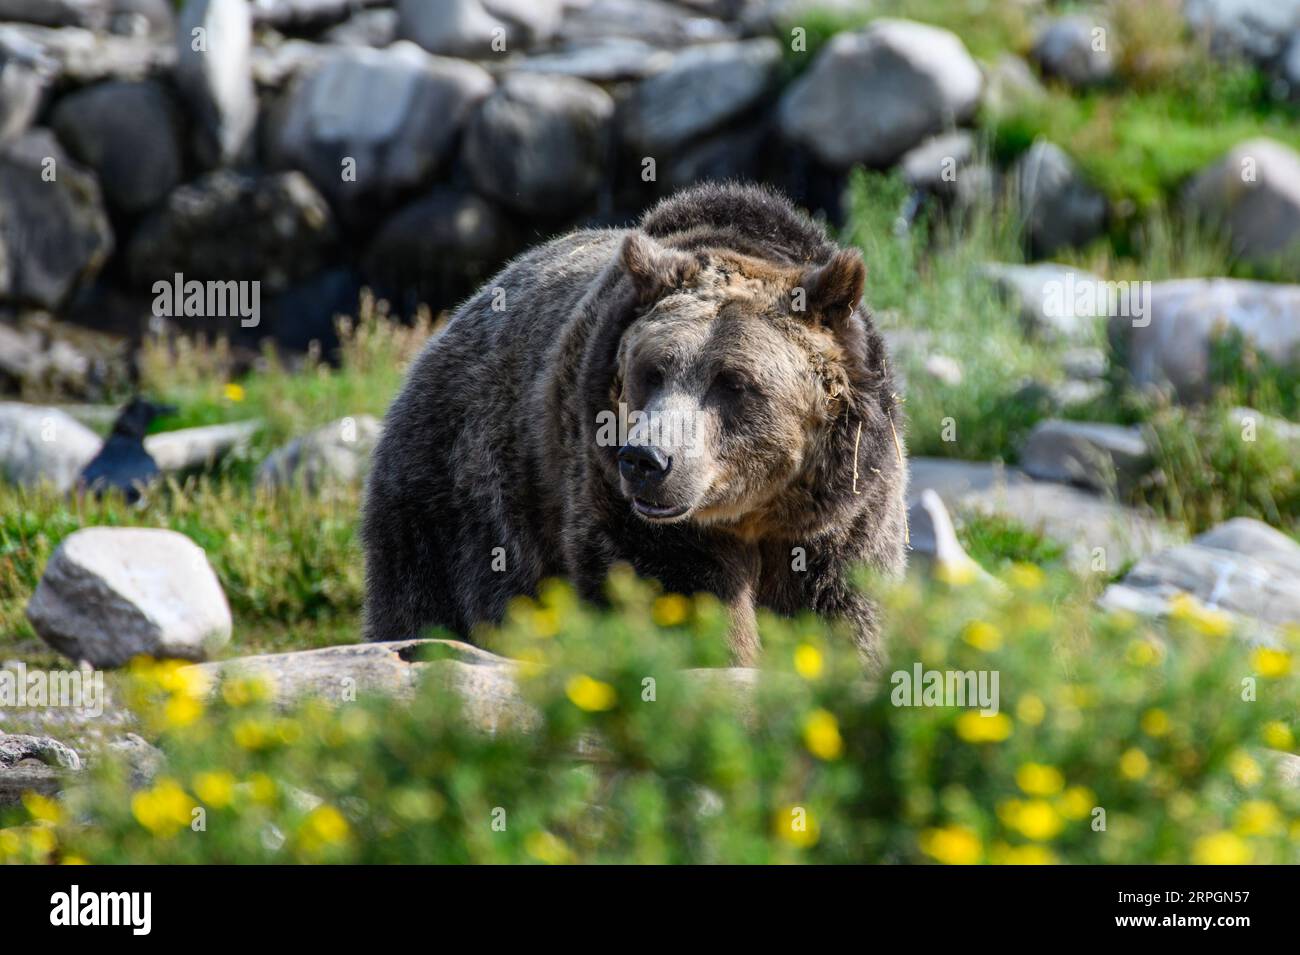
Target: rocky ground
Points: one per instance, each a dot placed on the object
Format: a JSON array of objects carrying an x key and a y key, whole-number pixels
[{"x": 1099, "y": 354}]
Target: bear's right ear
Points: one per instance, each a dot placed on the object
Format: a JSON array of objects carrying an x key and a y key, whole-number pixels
[{"x": 654, "y": 268}]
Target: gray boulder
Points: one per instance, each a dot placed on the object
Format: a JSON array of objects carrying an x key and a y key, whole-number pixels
[
  {"x": 390, "y": 116},
  {"x": 1104, "y": 457},
  {"x": 72, "y": 56},
  {"x": 377, "y": 28},
  {"x": 670, "y": 26},
  {"x": 1243, "y": 568},
  {"x": 53, "y": 230},
  {"x": 90, "y": 14},
  {"x": 336, "y": 454},
  {"x": 704, "y": 88},
  {"x": 1257, "y": 30},
  {"x": 604, "y": 61},
  {"x": 214, "y": 71},
  {"x": 142, "y": 18},
  {"x": 23, "y": 86},
  {"x": 33, "y": 764},
  {"x": 306, "y": 15},
  {"x": 227, "y": 226},
  {"x": 1057, "y": 205},
  {"x": 130, "y": 135},
  {"x": 1254, "y": 194},
  {"x": 1009, "y": 83},
  {"x": 1056, "y": 302},
  {"x": 109, "y": 594},
  {"x": 872, "y": 95},
  {"x": 935, "y": 165},
  {"x": 1173, "y": 346},
  {"x": 1099, "y": 535},
  {"x": 541, "y": 144},
  {"x": 43, "y": 446},
  {"x": 477, "y": 29},
  {"x": 1067, "y": 49},
  {"x": 440, "y": 246}
]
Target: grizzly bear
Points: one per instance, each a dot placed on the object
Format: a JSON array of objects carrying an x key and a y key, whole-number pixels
[{"x": 701, "y": 397}]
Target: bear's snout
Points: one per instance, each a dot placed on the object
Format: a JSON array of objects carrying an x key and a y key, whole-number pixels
[{"x": 643, "y": 466}]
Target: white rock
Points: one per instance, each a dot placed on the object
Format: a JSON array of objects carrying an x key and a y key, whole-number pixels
[
  {"x": 217, "y": 78},
  {"x": 43, "y": 445},
  {"x": 109, "y": 594},
  {"x": 944, "y": 369},
  {"x": 337, "y": 453},
  {"x": 191, "y": 448}
]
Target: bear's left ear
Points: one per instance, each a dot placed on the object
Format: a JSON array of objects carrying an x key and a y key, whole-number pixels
[
  {"x": 832, "y": 291},
  {"x": 654, "y": 268}
]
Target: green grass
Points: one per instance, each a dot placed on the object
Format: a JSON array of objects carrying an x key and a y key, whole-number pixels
[
  {"x": 289, "y": 562},
  {"x": 925, "y": 282}
]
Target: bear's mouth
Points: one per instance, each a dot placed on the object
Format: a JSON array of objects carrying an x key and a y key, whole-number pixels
[{"x": 658, "y": 512}]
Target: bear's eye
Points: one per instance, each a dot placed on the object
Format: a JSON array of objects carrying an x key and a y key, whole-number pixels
[
  {"x": 731, "y": 383},
  {"x": 652, "y": 377}
]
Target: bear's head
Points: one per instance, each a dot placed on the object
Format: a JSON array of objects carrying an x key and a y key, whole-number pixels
[{"x": 736, "y": 378}]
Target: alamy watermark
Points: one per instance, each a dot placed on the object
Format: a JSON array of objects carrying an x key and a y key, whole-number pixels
[
  {"x": 21, "y": 688},
  {"x": 177, "y": 298},
  {"x": 958, "y": 688},
  {"x": 1087, "y": 297},
  {"x": 670, "y": 428}
]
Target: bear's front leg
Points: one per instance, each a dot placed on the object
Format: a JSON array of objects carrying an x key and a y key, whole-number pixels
[
  {"x": 843, "y": 603},
  {"x": 742, "y": 634}
]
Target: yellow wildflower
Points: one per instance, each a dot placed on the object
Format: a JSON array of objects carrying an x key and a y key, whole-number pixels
[
  {"x": 796, "y": 826},
  {"x": 975, "y": 728},
  {"x": 589, "y": 694},
  {"x": 1134, "y": 764},
  {"x": 1258, "y": 817},
  {"x": 1025, "y": 576},
  {"x": 1003, "y": 854},
  {"x": 323, "y": 828},
  {"x": 1270, "y": 663},
  {"x": 952, "y": 845},
  {"x": 547, "y": 847},
  {"x": 215, "y": 789},
  {"x": 42, "y": 808},
  {"x": 1037, "y": 779},
  {"x": 165, "y": 809},
  {"x": 1278, "y": 735},
  {"x": 670, "y": 610},
  {"x": 1244, "y": 770},
  {"x": 821, "y": 734},
  {"x": 1034, "y": 818},
  {"x": 1221, "y": 848},
  {"x": 982, "y": 636},
  {"x": 808, "y": 661},
  {"x": 1076, "y": 802},
  {"x": 1155, "y": 723},
  {"x": 1030, "y": 710},
  {"x": 1185, "y": 608},
  {"x": 233, "y": 392}
]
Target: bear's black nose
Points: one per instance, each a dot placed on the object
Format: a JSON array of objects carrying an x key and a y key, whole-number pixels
[{"x": 641, "y": 464}]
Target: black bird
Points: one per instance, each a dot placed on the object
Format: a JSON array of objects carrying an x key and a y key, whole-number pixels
[{"x": 123, "y": 463}]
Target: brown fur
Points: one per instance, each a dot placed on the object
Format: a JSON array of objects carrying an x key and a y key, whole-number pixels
[{"x": 494, "y": 448}]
